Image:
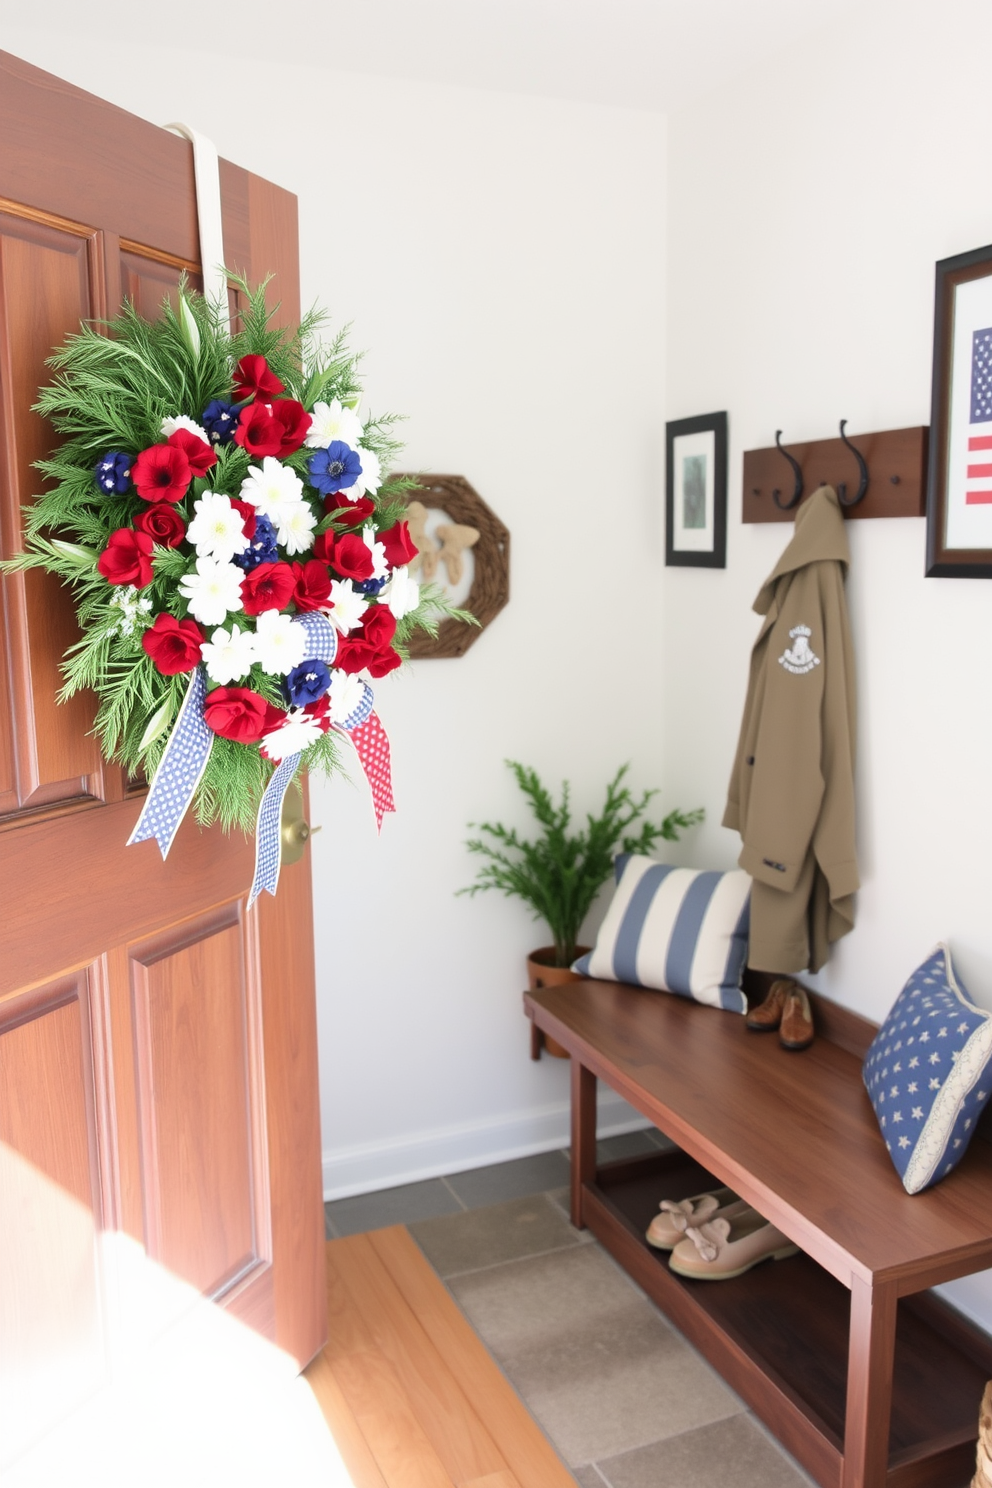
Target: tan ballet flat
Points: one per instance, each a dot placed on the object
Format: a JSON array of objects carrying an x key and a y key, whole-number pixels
[
  {"x": 668, "y": 1228},
  {"x": 721, "y": 1248}
]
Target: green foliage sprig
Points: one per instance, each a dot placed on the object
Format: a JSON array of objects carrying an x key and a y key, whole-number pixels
[{"x": 560, "y": 872}]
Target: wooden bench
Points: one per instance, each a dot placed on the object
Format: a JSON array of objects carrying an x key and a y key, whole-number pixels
[{"x": 862, "y": 1374}]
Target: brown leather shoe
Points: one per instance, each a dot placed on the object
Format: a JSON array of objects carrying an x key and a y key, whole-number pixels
[
  {"x": 796, "y": 1029},
  {"x": 767, "y": 1017}
]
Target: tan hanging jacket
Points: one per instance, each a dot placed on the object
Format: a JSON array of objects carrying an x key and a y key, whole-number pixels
[{"x": 791, "y": 793}]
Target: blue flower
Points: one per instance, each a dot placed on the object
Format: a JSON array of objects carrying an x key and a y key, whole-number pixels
[
  {"x": 262, "y": 548},
  {"x": 220, "y": 421},
  {"x": 335, "y": 468},
  {"x": 307, "y": 682},
  {"x": 371, "y": 586},
  {"x": 113, "y": 474}
]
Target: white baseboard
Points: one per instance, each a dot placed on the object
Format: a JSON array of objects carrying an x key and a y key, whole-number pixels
[{"x": 369, "y": 1166}]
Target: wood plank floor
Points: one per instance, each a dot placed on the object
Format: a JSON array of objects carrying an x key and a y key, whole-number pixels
[{"x": 410, "y": 1393}]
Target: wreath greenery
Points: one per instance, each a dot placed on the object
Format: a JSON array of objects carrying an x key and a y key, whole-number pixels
[{"x": 214, "y": 402}]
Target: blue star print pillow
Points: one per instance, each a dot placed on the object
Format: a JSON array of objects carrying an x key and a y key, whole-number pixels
[{"x": 928, "y": 1073}]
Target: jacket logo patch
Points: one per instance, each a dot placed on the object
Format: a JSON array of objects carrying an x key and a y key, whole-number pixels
[{"x": 800, "y": 656}]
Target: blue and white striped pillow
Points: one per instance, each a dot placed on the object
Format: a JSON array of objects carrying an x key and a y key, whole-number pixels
[{"x": 675, "y": 929}]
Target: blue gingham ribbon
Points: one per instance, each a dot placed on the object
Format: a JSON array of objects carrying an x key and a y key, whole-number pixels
[{"x": 179, "y": 772}]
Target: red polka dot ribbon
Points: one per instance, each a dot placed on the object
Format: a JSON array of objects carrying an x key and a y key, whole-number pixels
[{"x": 372, "y": 743}]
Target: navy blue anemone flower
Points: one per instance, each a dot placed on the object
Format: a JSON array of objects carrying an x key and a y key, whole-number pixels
[
  {"x": 262, "y": 548},
  {"x": 335, "y": 468},
  {"x": 371, "y": 586},
  {"x": 220, "y": 420},
  {"x": 113, "y": 473},
  {"x": 307, "y": 682}
]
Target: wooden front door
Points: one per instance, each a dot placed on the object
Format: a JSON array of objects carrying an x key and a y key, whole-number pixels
[{"x": 158, "y": 1068}]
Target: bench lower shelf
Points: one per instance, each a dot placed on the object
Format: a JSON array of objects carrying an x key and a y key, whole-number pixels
[{"x": 779, "y": 1336}]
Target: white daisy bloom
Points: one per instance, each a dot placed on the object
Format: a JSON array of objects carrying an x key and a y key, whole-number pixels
[
  {"x": 229, "y": 654},
  {"x": 292, "y": 736},
  {"x": 294, "y": 525},
  {"x": 279, "y": 644},
  {"x": 380, "y": 567},
  {"x": 217, "y": 530},
  {"x": 213, "y": 592},
  {"x": 400, "y": 593},
  {"x": 332, "y": 421},
  {"x": 271, "y": 487},
  {"x": 345, "y": 606},
  {"x": 346, "y": 694},
  {"x": 180, "y": 421},
  {"x": 371, "y": 477}
]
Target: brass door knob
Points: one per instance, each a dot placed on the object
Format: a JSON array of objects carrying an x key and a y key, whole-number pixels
[{"x": 294, "y": 830}]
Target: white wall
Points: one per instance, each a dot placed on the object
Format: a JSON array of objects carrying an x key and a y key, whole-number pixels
[
  {"x": 808, "y": 204},
  {"x": 503, "y": 260}
]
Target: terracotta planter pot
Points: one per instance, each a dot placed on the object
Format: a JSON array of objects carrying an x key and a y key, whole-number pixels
[{"x": 542, "y": 972}]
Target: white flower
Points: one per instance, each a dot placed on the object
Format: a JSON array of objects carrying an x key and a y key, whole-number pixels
[
  {"x": 217, "y": 529},
  {"x": 295, "y": 734},
  {"x": 294, "y": 526},
  {"x": 400, "y": 593},
  {"x": 380, "y": 566},
  {"x": 346, "y": 694},
  {"x": 229, "y": 654},
  {"x": 180, "y": 421},
  {"x": 345, "y": 606},
  {"x": 371, "y": 477},
  {"x": 271, "y": 487},
  {"x": 135, "y": 610},
  {"x": 213, "y": 591},
  {"x": 279, "y": 644},
  {"x": 332, "y": 421}
]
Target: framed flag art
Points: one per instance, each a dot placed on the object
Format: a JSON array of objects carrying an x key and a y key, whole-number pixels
[{"x": 959, "y": 484}]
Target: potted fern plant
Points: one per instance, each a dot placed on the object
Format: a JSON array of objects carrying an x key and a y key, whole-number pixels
[{"x": 559, "y": 872}]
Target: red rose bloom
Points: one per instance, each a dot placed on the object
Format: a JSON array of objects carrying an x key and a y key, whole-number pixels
[
  {"x": 161, "y": 473},
  {"x": 352, "y": 559},
  {"x": 356, "y": 511},
  {"x": 258, "y": 432},
  {"x": 242, "y": 715},
  {"x": 268, "y": 587},
  {"x": 202, "y": 457},
  {"x": 323, "y": 547},
  {"x": 248, "y": 514},
  {"x": 313, "y": 585},
  {"x": 173, "y": 645},
  {"x": 378, "y": 626},
  {"x": 163, "y": 524},
  {"x": 320, "y": 710},
  {"x": 253, "y": 378},
  {"x": 399, "y": 545},
  {"x": 384, "y": 662},
  {"x": 294, "y": 421},
  {"x": 127, "y": 558},
  {"x": 369, "y": 645}
]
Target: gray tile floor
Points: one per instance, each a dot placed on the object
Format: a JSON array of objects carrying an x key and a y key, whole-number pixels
[{"x": 625, "y": 1399}]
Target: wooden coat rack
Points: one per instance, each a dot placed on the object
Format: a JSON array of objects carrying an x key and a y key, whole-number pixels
[{"x": 894, "y": 461}]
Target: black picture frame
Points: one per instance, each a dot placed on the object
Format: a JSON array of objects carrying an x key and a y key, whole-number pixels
[
  {"x": 696, "y": 491},
  {"x": 959, "y": 498}
]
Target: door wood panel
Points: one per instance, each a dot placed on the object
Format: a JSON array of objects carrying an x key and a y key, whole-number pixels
[{"x": 162, "y": 1040}]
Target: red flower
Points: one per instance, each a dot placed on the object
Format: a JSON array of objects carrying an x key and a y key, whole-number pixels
[
  {"x": 161, "y": 473},
  {"x": 267, "y": 587},
  {"x": 248, "y": 514},
  {"x": 163, "y": 524},
  {"x": 127, "y": 558},
  {"x": 320, "y": 711},
  {"x": 258, "y": 432},
  {"x": 253, "y": 378},
  {"x": 295, "y": 423},
  {"x": 352, "y": 559},
  {"x": 173, "y": 645},
  {"x": 323, "y": 547},
  {"x": 378, "y": 626},
  {"x": 313, "y": 585},
  {"x": 384, "y": 662},
  {"x": 242, "y": 715},
  {"x": 357, "y": 511},
  {"x": 399, "y": 545},
  {"x": 202, "y": 457}
]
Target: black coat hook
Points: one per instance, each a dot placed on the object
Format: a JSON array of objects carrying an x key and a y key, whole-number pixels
[
  {"x": 797, "y": 472},
  {"x": 862, "y": 467}
]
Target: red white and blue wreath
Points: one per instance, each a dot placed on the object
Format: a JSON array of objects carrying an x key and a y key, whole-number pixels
[{"x": 240, "y": 567}]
